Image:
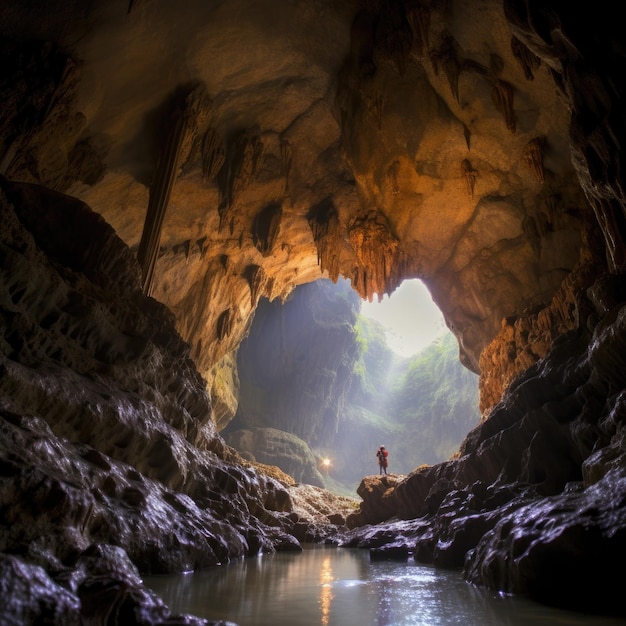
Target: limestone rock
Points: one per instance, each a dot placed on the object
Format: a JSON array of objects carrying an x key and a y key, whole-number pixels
[
  {"x": 373, "y": 144},
  {"x": 105, "y": 426},
  {"x": 378, "y": 505},
  {"x": 271, "y": 446}
]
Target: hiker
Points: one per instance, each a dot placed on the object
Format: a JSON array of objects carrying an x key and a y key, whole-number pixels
[{"x": 382, "y": 455}]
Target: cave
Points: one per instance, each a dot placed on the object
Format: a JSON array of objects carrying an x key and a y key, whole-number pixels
[{"x": 163, "y": 167}]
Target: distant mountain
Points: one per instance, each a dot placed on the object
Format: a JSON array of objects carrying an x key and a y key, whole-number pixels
[{"x": 316, "y": 369}]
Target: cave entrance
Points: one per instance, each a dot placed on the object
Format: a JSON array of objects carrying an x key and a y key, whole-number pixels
[{"x": 318, "y": 381}]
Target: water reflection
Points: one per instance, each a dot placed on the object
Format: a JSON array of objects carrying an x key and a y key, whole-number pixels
[
  {"x": 325, "y": 586},
  {"x": 326, "y": 589}
]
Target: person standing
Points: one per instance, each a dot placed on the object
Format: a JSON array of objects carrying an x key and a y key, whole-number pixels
[{"x": 383, "y": 461}]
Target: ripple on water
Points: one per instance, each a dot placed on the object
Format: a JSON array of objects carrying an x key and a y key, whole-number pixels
[{"x": 325, "y": 586}]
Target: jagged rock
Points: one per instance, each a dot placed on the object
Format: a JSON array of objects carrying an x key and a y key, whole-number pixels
[
  {"x": 319, "y": 515},
  {"x": 377, "y": 505},
  {"x": 559, "y": 551},
  {"x": 127, "y": 455}
]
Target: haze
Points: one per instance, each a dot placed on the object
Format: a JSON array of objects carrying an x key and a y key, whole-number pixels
[{"x": 411, "y": 319}]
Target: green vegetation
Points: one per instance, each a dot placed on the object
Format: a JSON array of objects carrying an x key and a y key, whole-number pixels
[
  {"x": 420, "y": 408},
  {"x": 437, "y": 399}
]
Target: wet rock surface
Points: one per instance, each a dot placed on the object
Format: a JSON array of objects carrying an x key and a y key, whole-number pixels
[{"x": 111, "y": 467}]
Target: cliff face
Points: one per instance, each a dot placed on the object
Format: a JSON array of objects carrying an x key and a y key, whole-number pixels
[
  {"x": 236, "y": 150},
  {"x": 296, "y": 367}
]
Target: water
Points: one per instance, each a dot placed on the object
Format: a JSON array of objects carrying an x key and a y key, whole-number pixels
[{"x": 327, "y": 586}]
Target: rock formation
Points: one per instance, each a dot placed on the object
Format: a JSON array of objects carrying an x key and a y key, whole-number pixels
[
  {"x": 111, "y": 462},
  {"x": 163, "y": 167}
]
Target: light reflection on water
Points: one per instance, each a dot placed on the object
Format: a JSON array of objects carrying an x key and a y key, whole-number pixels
[{"x": 327, "y": 586}]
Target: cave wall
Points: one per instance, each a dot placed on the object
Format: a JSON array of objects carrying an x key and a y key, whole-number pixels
[
  {"x": 475, "y": 146},
  {"x": 377, "y": 142}
]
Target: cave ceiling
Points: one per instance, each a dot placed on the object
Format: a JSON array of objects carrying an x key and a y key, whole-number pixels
[{"x": 269, "y": 144}]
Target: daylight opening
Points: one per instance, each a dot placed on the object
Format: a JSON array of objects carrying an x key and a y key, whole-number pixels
[
  {"x": 412, "y": 321},
  {"x": 325, "y": 379}
]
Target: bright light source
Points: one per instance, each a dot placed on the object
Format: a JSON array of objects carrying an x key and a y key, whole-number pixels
[
  {"x": 326, "y": 462},
  {"x": 411, "y": 319}
]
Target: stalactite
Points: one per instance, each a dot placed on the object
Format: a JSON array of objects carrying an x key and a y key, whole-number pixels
[
  {"x": 160, "y": 191},
  {"x": 203, "y": 246},
  {"x": 376, "y": 250},
  {"x": 269, "y": 288},
  {"x": 503, "y": 96},
  {"x": 256, "y": 277},
  {"x": 470, "y": 176},
  {"x": 358, "y": 283},
  {"x": 447, "y": 57},
  {"x": 286, "y": 291},
  {"x": 241, "y": 167},
  {"x": 418, "y": 17},
  {"x": 198, "y": 112},
  {"x": 467, "y": 135},
  {"x": 189, "y": 109},
  {"x": 286, "y": 157},
  {"x": 252, "y": 151},
  {"x": 533, "y": 157},
  {"x": 328, "y": 235},
  {"x": 224, "y": 324},
  {"x": 528, "y": 60},
  {"x": 184, "y": 248},
  {"x": 265, "y": 228},
  {"x": 213, "y": 155}
]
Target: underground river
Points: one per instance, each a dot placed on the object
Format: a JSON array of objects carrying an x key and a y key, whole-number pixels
[{"x": 328, "y": 586}]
